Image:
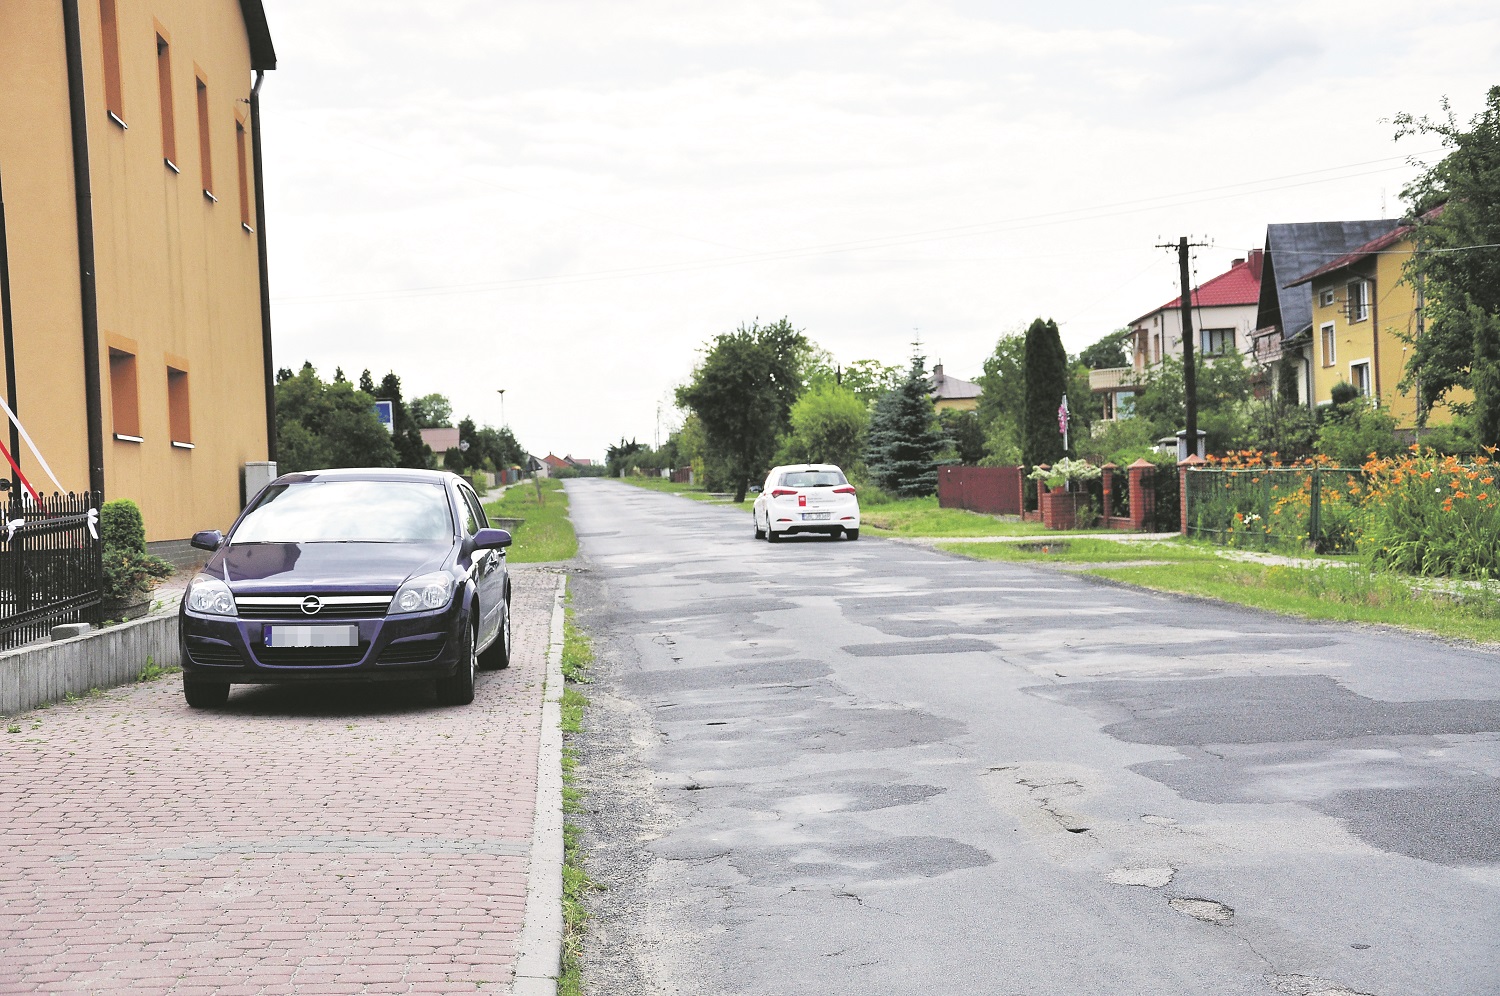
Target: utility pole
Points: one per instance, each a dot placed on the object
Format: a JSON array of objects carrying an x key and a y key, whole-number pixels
[{"x": 1189, "y": 369}]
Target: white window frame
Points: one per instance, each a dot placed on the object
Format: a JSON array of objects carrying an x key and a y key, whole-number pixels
[
  {"x": 1204, "y": 339},
  {"x": 1328, "y": 343},
  {"x": 1326, "y": 297},
  {"x": 1368, "y": 388},
  {"x": 1362, "y": 303}
]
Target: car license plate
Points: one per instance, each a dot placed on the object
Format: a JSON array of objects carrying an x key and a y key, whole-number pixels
[
  {"x": 312, "y": 636},
  {"x": 815, "y": 516}
]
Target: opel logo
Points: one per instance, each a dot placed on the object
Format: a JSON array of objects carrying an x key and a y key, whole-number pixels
[{"x": 312, "y": 605}]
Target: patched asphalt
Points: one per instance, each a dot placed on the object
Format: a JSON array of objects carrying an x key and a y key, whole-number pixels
[{"x": 866, "y": 767}]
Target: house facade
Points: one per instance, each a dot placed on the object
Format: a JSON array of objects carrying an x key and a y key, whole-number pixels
[
  {"x": 951, "y": 393},
  {"x": 129, "y": 167},
  {"x": 1224, "y": 313},
  {"x": 1365, "y": 317},
  {"x": 1282, "y": 343}
]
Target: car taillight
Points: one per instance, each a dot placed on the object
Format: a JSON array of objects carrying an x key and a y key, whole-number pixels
[
  {"x": 782, "y": 493},
  {"x": 844, "y": 491}
]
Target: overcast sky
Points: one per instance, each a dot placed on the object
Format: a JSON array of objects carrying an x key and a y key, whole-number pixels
[{"x": 566, "y": 199}]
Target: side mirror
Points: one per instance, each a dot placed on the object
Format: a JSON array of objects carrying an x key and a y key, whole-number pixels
[
  {"x": 208, "y": 539},
  {"x": 491, "y": 539}
]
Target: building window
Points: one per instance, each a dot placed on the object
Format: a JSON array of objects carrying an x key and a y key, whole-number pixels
[
  {"x": 1328, "y": 349},
  {"x": 125, "y": 405},
  {"x": 1217, "y": 342},
  {"x": 1359, "y": 300},
  {"x": 179, "y": 410},
  {"x": 205, "y": 157},
  {"x": 109, "y": 31},
  {"x": 1325, "y": 297},
  {"x": 244, "y": 168},
  {"x": 1359, "y": 376},
  {"x": 168, "y": 117}
]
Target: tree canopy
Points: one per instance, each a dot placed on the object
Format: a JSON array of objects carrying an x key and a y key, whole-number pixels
[
  {"x": 743, "y": 393},
  {"x": 1045, "y": 367},
  {"x": 828, "y": 425},
  {"x": 904, "y": 439},
  {"x": 1457, "y": 265},
  {"x": 327, "y": 424}
]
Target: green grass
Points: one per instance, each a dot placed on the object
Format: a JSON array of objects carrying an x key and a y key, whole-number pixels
[
  {"x": 577, "y": 657},
  {"x": 1059, "y": 548},
  {"x": 546, "y": 535},
  {"x": 1352, "y": 593},
  {"x": 923, "y": 517},
  {"x": 694, "y": 491}
]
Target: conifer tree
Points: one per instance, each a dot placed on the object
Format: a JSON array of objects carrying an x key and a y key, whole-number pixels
[
  {"x": 1044, "y": 364},
  {"x": 905, "y": 439}
]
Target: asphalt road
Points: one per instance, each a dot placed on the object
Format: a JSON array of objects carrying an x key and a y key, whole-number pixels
[{"x": 865, "y": 767}]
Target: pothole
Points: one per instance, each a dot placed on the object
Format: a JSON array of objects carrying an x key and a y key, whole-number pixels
[
  {"x": 1150, "y": 878},
  {"x": 1307, "y": 985},
  {"x": 1207, "y": 910}
]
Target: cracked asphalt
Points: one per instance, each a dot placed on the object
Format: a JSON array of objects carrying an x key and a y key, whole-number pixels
[{"x": 842, "y": 767}]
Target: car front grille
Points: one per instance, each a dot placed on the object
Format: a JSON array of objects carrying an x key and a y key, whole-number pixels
[
  {"x": 310, "y": 656},
  {"x": 329, "y": 606}
]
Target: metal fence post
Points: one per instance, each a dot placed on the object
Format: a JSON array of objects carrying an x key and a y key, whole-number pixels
[{"x": 1315, "y": 509}]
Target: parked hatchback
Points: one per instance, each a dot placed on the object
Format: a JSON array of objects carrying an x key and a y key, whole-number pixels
[
  {"x": 349, "y": 575},
  {"x": 806, "y": 498}
]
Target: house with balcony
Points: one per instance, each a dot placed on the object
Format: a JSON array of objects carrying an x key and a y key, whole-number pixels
[
  {"x": 1364, "y": 319},
  {"x": 1224, "y": 314},
  {"x": 1282, "y": 345}
]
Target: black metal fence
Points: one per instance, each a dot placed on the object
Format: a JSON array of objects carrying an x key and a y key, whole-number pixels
[
  {"x": 1168, "y": 499},
  {"x": 51, "y": 566},
  {"x": 1288, "y": 508}
]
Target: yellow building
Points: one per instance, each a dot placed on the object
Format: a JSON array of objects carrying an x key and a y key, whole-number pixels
[
  {"x": 129, "y": 167},
  {"x": 951, "y": 393},
  {"x": 1364, "y": 319}
]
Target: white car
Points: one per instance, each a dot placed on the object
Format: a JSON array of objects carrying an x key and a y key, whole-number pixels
[{"x": 806, "y": 498}]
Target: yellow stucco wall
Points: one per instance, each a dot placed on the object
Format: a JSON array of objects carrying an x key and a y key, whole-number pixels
[
  {"x": 1381, "y": 339},
  {"x": 956, "y": 404},
  {"x": 177, "y": 272}
]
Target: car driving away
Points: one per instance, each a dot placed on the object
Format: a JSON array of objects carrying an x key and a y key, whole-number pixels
[
  {"x": 806, "y": 498},
  {"x": 349, "y": 575}
]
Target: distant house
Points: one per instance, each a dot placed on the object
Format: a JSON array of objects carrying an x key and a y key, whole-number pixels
[
  {"x": 951, "y": 394},
  {"x": 1283, "y": 318},
  {"x": 555, "y": 462},
  {"x": 579, "y": 462},
  {"x": 1224, "y": 313},
  {"x": 1363, "y": 318},
  {"x": 440, "y": 441}
]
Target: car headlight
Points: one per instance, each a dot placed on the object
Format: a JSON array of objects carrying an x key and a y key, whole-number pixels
[
  {"x": 211, "y": 596},
  {"x": 422, "y": 594}
]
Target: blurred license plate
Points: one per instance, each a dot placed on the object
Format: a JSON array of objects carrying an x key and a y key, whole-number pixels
[
  {"x": 312, "y": 636},
  {"x": 815, "y": 516}
]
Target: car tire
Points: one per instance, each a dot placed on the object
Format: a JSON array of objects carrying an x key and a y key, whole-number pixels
[
  {"x": 772, "y": 535},
  {"x": 202, "y": 694},
  {"x": 497, "y": 654},
  {"x": 458, "y": 688},
  {"x": 759, "y": 532},
  {"x": 852, "y": 533}
]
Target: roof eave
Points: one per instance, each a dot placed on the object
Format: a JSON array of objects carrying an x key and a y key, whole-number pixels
[{"x": 262, "y": 52}]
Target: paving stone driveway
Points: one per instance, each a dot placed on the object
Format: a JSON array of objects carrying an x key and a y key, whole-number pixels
[{"x": 315, "y": 841}]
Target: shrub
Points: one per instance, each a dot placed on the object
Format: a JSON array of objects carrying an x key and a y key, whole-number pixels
[
  {"x": 121, "y": 527},
  {"x": 129, "y": 571}
]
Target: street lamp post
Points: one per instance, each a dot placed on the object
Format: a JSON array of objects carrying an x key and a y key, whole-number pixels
[{"x": 501, "y": 392}]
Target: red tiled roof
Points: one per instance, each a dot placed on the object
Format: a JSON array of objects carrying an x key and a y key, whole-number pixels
[{"x": 1240, "y": 284}]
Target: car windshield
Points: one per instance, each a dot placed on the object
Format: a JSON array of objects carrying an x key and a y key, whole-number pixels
[
  {"x": 812, "y": 479},
  {"x": 349, "y": 512}
]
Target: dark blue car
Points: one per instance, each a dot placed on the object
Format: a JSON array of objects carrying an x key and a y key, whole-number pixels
[{"x": 349, "y": 575}]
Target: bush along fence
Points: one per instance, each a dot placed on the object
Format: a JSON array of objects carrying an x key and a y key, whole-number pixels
[
  {"x": 51, "y": 567},
  {"x": 1286, "y": 508}
]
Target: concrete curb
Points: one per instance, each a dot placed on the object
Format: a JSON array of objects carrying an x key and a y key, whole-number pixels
[
  {"x": 540, "y": 945},
  {"x": 45, "y": 672}
]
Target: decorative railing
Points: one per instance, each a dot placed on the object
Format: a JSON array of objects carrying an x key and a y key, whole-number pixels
[{"x": 51, "y": 566}]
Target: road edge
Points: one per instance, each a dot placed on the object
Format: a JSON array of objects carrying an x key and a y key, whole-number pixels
[{"x": 539, "y": 958}]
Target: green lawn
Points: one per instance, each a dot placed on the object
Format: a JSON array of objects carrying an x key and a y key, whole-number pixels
[
  {"x": 546, "y": 535},
  {"x": 922, "y": 517},
  {"x": 1060, "y": 548}
]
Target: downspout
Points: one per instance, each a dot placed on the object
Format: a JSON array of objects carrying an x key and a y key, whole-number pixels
[
  {"x": 265, "y": 282},
  {"x": 84, "y": 213},
  {"x": 1375, "y": 330},
  {"x": 10, "y": 347}
]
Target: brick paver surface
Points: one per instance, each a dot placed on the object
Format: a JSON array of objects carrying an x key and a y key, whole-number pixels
[{"x": 321, "y": 841}]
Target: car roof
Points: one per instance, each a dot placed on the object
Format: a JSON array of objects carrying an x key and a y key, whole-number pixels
[
  {"x": 369, "y": 474},
  {"x": 806, "y": 467}
]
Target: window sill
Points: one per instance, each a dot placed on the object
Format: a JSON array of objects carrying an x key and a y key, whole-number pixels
[
  {"x": 118, "y": 120},
  {"x": 209, "y": 194},
  {"x": 171, "y": 165},
  {"x": 247, "y": 228},
  {"x": 124, "y": 437},
  {"x": 178, "y": 444}
]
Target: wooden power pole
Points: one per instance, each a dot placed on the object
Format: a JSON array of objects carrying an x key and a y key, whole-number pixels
[{"x": 1189, "y": 368}]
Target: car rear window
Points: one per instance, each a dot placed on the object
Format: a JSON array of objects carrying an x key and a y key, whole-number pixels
[
  {"x": 349, "y": 512},
  {"x": 812, "y": 479}
]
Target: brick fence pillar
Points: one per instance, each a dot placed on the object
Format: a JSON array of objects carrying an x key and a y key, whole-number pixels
[
  {"x": 1107, "y": 482},
  {"x": 1021, "y": 490},
  {"x": 1041, "y": 487},
  {"x": 1183, "y": 469},
  {"x": 1141, "y": 477}
]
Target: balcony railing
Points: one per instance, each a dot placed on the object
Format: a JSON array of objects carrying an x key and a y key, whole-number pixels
[{"x": 1114, "y": 379}]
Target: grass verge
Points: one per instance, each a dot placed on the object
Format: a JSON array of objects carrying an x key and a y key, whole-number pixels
[
  {"x": 577, "y": 658},
  {"x": 1056, "y": 548},
  {"x": 923, "y": 517},
  {"x": 547, "y": 534}
]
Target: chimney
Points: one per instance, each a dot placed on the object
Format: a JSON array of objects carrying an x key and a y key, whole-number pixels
[
  {"x": 937, "y": 372},
  {"x": 1257, "y": 262},
  {"x": 1237, "y": 262}
]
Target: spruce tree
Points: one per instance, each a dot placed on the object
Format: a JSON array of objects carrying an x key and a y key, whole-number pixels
[
  {"x": 1044, "y": 364},
  {"x": 905, "y": 439}
]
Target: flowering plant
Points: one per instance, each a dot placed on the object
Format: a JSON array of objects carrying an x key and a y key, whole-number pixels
[{"x": 1063, "y": 471}]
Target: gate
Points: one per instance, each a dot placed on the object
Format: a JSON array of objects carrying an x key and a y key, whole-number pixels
[{"x": 51, "y": 566}]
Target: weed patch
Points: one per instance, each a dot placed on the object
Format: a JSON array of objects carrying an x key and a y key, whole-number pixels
[{"x": 577, "y": 657}]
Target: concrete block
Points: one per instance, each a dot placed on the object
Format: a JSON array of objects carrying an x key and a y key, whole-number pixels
[{"x": 68, "y": 630}]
